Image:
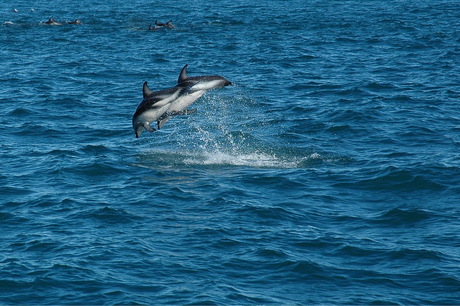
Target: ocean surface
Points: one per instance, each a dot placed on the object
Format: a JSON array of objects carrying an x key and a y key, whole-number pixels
[{"x": 329, "y": 173}]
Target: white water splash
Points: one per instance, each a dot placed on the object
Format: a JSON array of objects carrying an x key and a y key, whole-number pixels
[
  {"x": 215, "y": 141},
  {"x": 241, "y": 159}
]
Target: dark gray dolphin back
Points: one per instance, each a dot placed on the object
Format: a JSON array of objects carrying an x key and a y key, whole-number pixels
[{"x": 185, "y": 80}]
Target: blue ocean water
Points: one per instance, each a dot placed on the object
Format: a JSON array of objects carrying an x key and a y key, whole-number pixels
[{"x": 328, "y": 174}]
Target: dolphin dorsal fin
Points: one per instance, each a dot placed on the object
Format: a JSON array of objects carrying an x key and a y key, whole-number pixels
[
  {"x": 183, "y": 75},
  {"x": 146, "y": 90}
]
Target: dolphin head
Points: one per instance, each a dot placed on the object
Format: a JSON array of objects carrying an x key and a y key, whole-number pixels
[
  {"x": 138, "y": 122},
  {"x": 138, "y": 126}
]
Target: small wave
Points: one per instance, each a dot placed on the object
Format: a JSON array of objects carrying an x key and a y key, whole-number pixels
[
  {"x": 106, "y": 215},
  {"x": 394, "y": 178},
  {"x": 404, "y": 216},
  {"x": 20, "y": 111}
]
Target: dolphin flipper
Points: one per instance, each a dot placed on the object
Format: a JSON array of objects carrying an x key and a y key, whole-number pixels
[
  {"x": 163, "y": 121},
  {"x": 149, "y": 128}
]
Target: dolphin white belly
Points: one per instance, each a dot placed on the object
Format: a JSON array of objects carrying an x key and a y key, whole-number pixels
[
  {"x": 184, "y": 101},
  {"x": 152, "y": 115}
]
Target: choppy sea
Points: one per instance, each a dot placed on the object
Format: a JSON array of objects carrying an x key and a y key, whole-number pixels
[{"x": 329, "y": 173}]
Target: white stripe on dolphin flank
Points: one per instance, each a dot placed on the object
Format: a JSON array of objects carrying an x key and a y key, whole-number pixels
[
  {"x": 153, "y": 106},
  {"x": 205, "y": 82}
]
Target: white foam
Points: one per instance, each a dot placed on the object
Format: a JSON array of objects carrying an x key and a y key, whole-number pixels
[{"x": 240, "y": 159}]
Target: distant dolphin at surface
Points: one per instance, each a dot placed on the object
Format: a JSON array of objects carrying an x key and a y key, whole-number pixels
[
  {"x": 159, "y": 26},
  {"x": 197, "y": 86},
  {"x": 167, "y": 24},
  {"x": 76, "y": 21},
  {"x": 153, "y": 106},
  {"x": 51, "y": 21}
]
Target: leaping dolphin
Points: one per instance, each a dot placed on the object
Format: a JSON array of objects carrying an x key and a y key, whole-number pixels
[
  {"x": 196, "y": 87},
  {"x": 153, "y": 106}
]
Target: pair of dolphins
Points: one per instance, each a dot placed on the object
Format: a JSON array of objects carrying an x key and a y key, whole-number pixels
[
  {"x": 51, "y": 21},
  {"x": 160, "y": 106}
]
